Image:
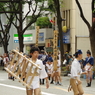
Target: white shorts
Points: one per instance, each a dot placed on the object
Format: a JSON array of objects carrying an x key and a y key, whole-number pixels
[
  {"x": 49, "y": 71},
  {"x": 34, "y": 85}
]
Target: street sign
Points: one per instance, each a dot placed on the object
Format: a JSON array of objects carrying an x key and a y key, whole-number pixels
[{"x": 49, "y": 49}]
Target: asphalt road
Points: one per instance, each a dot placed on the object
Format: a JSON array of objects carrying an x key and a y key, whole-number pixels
[{"x": 9, "y": 87}]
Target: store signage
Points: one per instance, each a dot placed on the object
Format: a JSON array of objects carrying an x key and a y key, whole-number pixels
[{"x": 27, "y": 38}]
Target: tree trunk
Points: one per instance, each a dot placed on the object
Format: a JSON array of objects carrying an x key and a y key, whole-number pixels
[
  {"x": 92, "y": 40},
  {"x": 21, "y": 45},
  {"x": 5, "y": 45},
  {"x": 5, "y": 48},
  {"x": 20, "y": 28},
  {"x": 59, "y": 23}
]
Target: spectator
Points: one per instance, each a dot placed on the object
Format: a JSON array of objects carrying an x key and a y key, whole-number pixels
[{"x": 5, "y": 60}]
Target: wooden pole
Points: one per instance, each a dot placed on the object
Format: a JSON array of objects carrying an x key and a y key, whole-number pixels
[
  {"x": 55, "y": 49},
  {"x": 13, "y": 74},
  {"x": 37, "y": 36}
]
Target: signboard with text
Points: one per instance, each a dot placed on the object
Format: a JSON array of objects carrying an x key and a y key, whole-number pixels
[
  {"x": 27, "y": 38},
  {"x": 66, "y": 37},
  {"x": 41, "y": 36}
]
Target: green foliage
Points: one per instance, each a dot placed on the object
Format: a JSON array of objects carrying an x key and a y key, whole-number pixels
[
  {"x": 43, "y": 22},
  {"x": 50, "y": 7},
  {"x": 2, "y": 5}
]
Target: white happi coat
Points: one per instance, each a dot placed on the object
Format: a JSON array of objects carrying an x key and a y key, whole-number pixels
[
  {"x": 76, "y": 69},
  {"x": 49, "y": 68},
  {"x": 41, "y": 74}
]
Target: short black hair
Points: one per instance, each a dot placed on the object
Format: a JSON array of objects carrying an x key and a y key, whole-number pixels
[
  {"x": 78, "y": 53},
  {"x": 88, "y": 52},
  {"x": 33, "y": 49}
]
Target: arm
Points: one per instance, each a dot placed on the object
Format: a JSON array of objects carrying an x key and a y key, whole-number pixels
[{"x": 43, "y": 74}]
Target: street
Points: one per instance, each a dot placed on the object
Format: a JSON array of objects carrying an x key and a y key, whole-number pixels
[{"x": 9, "y": 87}]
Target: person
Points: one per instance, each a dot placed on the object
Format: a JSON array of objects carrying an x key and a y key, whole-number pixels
[
  {"x": 67, "y": 57},
  {"x": 88, "y": 65},
  {"x": 76, "y": 71},
  {"x": 35, "y": 86},
  {"x": 10, "y": 56},
  {"x": 5, "y": 60},
  {"x": 69, "y": 63},
  {"x": 49, "y": 66},
  {"x": 59, "y": 71},
  {"x": 43, "y": 57},
  {"x": 57, "y": 74},
  {"x": 11, "y": 69}
]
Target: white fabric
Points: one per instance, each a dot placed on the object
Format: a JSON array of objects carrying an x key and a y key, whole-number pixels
[
  {"x": 42, "y": 74},
  {"x": 21, "y": 59},
  {"x": 49, "y": 68},
  {"x": 5, "y": 60},
  {"x": 43, "y": 57},
  {"x": 34, "y": 84},
  {"x": 64, "y": 62},
  {"x": 58, "y": 66},
  {"x": 0, "y": 58},
  {"x": 87, "y": 67},
  {"x": 12, "y": 67},
  {"x": 10, "y": 56},
  {"x": 75, "y": 69}
]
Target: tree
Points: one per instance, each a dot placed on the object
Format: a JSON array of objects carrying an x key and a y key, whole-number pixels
[
  {"x": 35, "y": 8},
  {"x": 5, "y": 29},
  {"x": 59, "y": 23},
  {"x": 43, "y": 22},
  {"x": 91, "y": 28}
]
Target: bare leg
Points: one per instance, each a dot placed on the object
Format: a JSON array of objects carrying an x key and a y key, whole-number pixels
[
  {"x": 56, "y": 77},
  {"x": 87, "y": 77},
  {"x": 52, "y": 76},
  {"x": 40, "y": 91},
  {"x": 49, "y": 76},
  {"x": 60, "y": 79},
  {"x": 29, "y": 92},
  {"x": 37, "y": 91},
  {"x": 90, "y": 74}
]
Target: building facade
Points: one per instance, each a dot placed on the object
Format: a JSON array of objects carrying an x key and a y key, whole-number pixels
[{"x": 79, "y": 33}]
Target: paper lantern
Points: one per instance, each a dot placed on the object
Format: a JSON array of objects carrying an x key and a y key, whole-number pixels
[{"x": 64, "y": 28}]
